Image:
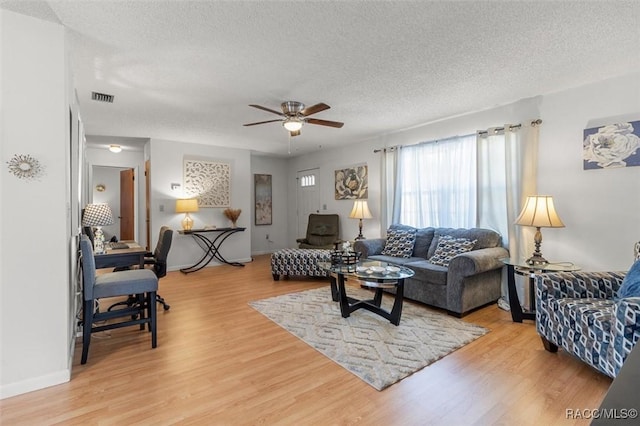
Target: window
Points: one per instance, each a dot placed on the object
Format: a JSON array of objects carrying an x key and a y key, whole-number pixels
[
  {"x": 308, "y": 180},
  {"x": 437, "y": 183}
]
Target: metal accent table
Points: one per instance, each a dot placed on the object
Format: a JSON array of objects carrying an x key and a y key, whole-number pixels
[
  {"x": 211, "y": 247},
  {"x": 372, "y": 274},
  {"x": 519, "y": 266}
]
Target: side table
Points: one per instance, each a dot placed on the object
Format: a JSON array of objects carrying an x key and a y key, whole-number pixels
[{"x": 519, "y": 266}]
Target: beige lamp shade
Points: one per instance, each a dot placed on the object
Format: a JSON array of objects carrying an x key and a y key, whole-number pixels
[
  {"x": 540, "y": 212},
  {"x": 186, "y": 205},
  {"x": 360, "y": 210}
]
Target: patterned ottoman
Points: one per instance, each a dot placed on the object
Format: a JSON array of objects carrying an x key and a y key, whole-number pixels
[{"x": 299, "y": 262}]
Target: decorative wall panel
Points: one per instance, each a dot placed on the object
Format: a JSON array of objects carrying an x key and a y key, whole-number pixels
[{"x": 209, "y": 182}]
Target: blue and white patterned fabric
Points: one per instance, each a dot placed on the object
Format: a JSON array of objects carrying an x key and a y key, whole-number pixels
[
  {"x": 577, "y": 311},
  {"x": 299, "y": 262},
  {"x": 399, "y": 242}
]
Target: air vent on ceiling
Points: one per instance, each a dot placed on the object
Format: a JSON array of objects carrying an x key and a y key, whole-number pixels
[{"x": 101, "y": 97}]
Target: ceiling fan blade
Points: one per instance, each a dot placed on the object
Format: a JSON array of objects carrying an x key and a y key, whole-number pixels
[
  {"x": 261, "y": 122},
  {"x": 314, "y": 109},
  {"x": 296, "y": 133},
  {"x": 268, "y": 110},
  {"x": 336, "y": 124}
]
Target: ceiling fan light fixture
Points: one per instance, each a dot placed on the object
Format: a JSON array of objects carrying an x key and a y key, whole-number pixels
[
  {"x": 115, "y": 148},
  {"x": 292, "y": 124}
]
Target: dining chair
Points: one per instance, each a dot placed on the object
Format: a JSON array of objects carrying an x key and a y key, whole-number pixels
[
  {"x": 158, "y": 258},
  {"x": 142, "y": 283}
]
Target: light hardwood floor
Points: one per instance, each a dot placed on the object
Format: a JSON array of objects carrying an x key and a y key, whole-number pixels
[{"x": 220, "y": 362}]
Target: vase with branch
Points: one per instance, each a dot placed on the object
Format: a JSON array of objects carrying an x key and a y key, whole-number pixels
[{"x": 232, "y": 215}]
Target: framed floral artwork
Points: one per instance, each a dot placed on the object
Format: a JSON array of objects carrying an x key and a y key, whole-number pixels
[
  {"x": 613, "y": 145},
  {"x": 352, "y": 183},
  {"x": 262, "y": 187}
]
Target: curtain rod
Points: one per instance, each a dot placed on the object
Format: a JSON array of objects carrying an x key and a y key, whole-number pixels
[
  {"x": 533, "y": 123},
  {"x": 393, "y": 148}
]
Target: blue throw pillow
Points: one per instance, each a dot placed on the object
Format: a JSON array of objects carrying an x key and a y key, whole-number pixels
[{"x": 631, "y": 284}]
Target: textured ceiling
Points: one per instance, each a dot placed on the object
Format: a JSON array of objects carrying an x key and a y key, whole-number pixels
[{"x": 186, "y": 71}]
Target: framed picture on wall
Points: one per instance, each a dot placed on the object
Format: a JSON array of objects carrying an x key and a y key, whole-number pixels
[
  {"x": 263, "y": 200},
  {"x": 209, "y": 182},
  {"x": 613, "y": 145},
  {"x": 352, "y": 183}
]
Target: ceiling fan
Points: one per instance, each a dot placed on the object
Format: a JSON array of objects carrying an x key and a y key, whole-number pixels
[{"x": 295, "y": 115}]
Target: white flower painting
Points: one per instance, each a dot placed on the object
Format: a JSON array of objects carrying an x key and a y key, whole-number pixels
[{"x": 614, "y": 145}]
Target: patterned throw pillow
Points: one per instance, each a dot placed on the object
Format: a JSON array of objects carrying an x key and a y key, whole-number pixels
[
  {"x": 399, "y": 242},
  {"x": 631, "y": 284},
  {"x": 448, "y": 247}
]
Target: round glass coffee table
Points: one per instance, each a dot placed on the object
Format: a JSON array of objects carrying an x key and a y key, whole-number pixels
[{"x": 372, "y": 274}]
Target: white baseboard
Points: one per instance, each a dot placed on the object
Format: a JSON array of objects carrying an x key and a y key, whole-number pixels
[{"x": 35, "y": 383}]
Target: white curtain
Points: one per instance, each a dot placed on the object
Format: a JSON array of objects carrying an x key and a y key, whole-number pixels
[
  {"x": 507, "y": 166},
  {"x": 388, "y": 166},
  {"x": 436, "y": 184}
]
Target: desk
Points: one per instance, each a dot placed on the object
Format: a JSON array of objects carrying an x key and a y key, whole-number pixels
[
  {"x": 520, "y": 267},
  {"x": 211, "y": 247},
  {"x": 113, "y": 258}
]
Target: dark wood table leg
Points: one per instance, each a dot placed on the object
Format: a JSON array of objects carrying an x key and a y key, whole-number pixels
[
  {"x": 342, "y": 295},
  {"x": 396, "y": 311},
  {"x": 334, "y": 287}
]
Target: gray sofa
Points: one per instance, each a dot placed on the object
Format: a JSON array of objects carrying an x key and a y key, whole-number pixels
[{"x": 471, "y": 280}]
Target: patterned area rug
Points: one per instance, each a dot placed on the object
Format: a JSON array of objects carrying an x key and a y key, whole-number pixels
[{"x": 366, "y": 344}]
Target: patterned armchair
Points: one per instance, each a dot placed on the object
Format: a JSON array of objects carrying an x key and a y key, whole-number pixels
[{"x": 578, "y": 312}]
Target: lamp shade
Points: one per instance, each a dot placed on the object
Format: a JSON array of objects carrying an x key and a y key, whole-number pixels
[
  {"x": 186, "y": 205},
  {"x": 97, "y": 215},
  {"x": 539, "y": 211},
  {"x": 360, "y": 210}
]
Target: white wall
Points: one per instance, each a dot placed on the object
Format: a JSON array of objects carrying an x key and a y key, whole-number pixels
[
  {"x": 34, "y": 277},
  {"x": 277, "y": 231},
  {"x": 334, "y": 159},
  {"x": 166, "y": 168},
  {"x": 599, "y": 207}
]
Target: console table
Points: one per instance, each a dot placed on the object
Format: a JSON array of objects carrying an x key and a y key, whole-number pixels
[
  {"x": 210, "y": 246},
  {"x": 520, "y": 267}
]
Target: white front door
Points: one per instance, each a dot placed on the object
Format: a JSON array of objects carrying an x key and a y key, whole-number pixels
[{"x": 308, "y": 196}]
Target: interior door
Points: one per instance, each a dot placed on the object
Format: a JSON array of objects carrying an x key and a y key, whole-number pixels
[
  {"x": 308, "y": 197},
  {"x": 127, "y": 215}
]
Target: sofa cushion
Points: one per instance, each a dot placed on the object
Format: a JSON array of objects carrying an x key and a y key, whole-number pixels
[
  {"x": 424, "y": 236},
  {"x": 399, "y": 242},
  {"x": 486, "y": 238},
  {"x": 449, "y": 247},
  {"x": 631, "y": 284},
  {"x": 428, "y": 272},
  {"x": 394, "y": 260}
]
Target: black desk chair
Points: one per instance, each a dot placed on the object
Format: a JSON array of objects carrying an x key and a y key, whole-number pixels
[
  {"x": 159, "y": 258},
  {"x": 142, "y": 283}
]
